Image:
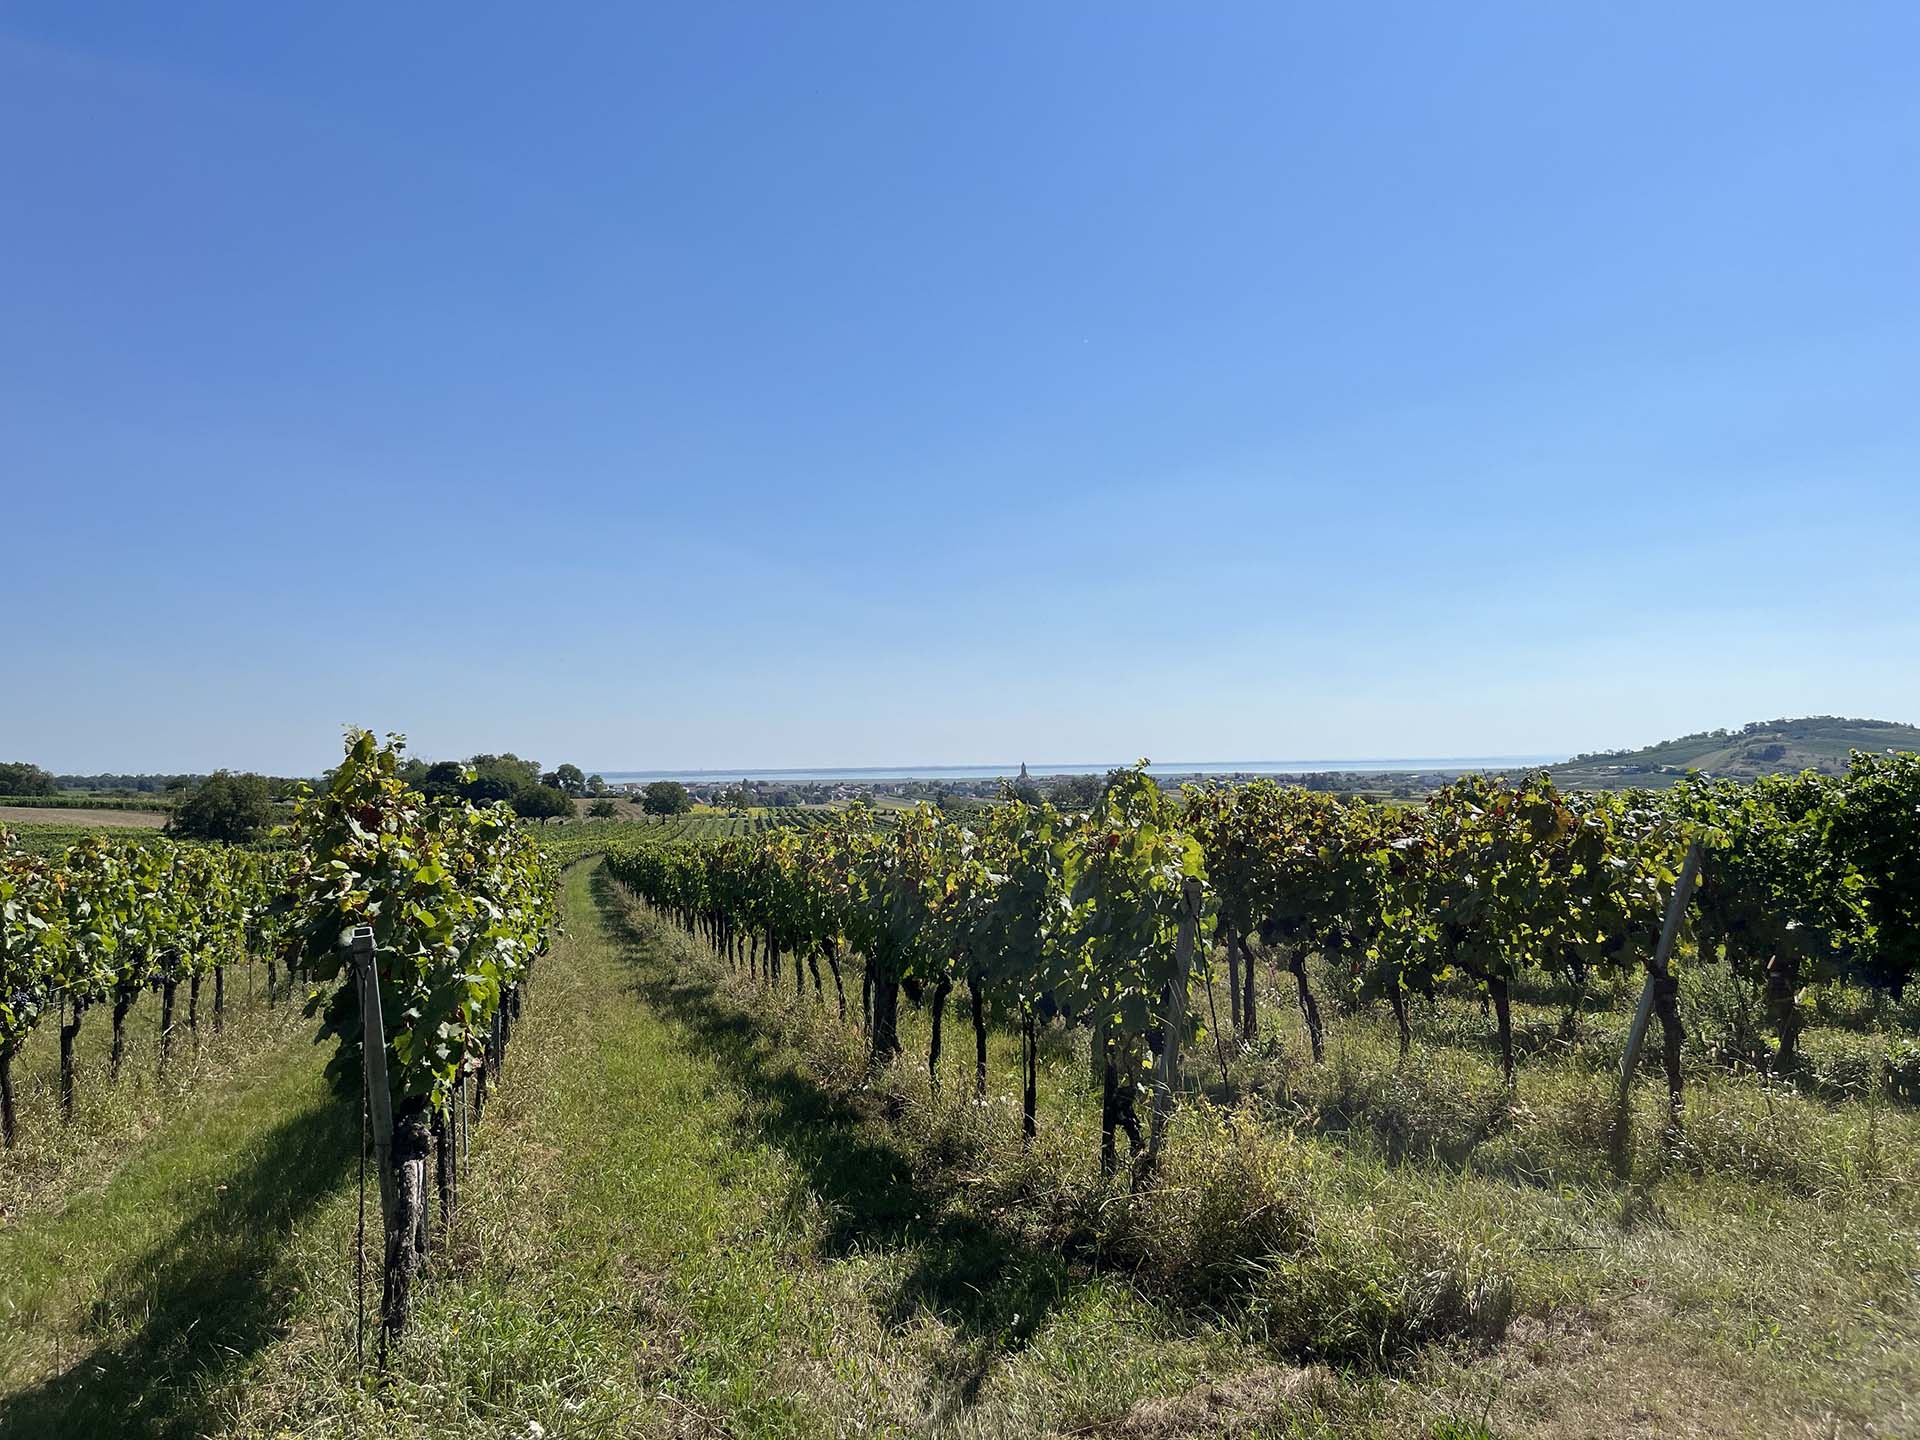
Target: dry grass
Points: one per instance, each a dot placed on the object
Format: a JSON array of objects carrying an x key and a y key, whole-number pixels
[{"x": 13, "y": 816}]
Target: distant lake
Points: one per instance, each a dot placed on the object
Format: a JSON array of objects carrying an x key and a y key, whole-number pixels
[{"x": 1451, "y": 763}]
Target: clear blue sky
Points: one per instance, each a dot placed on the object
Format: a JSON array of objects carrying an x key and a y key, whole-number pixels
[{"x": 717, "y": 385}]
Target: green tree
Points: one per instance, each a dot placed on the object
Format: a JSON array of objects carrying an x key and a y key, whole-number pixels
[
  {"x": 667, "y": 797},
  {"x": 20, "y": 778},
  {"x": 1076, "y": 792},
  {"x": 226, "y": 807},
  {"x": 568, "y": 778},
  {"x": 542, "y": 802},
  {"x": 444, "y": 778},
  {"x": 496, "y": 777},
  {"x": 603, "y": 810}
]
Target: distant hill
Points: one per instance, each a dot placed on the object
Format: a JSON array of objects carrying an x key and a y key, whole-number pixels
[{"x": 1766, "y": 747}]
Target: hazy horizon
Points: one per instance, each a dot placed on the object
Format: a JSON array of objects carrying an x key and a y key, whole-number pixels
[{"x": 1043, "y": 769}]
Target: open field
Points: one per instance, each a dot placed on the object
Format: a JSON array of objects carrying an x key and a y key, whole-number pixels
[{"x": 25, "y": 817}]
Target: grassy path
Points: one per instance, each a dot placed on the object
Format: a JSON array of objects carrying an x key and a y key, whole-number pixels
[{"x": 668, "y": 1229}]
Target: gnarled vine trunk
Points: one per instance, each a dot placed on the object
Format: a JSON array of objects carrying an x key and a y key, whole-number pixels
[
  {"x": 1666, "y": 1004},
  {"x": 121, "y": 1004},
  {"x": 1109, "y": 1107},
  {"x": 1116, "y": 1110},
  {"x": 7, "y": 1130},
  {"x": 1569, "y": 1030},
  {"x": 1783, "y": 979},
  {"x": 407, "y": 1233},
  {"x": 68, "y": 1031},
  {"x": 839, "y": 990},
  {"x": 886, "y": 1019},
  {"x": 1309, "y": 1007},
  {"x": 1397, "y": 998},
  {"x": 167, "y": 992},
  {"x": 940, "y": 993},
  {"x": 219, "y": 998},
  {"x": 1223, "y": 932},
  {"x": 193, "y": 1003},
  {"x": 1503, "y": 1014},
  {"x": 979, "y": 1036},
  {"x": 1249, "y": 1014}
]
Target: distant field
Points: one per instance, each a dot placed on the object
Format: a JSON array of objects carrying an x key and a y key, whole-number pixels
[{"x": 12, "y": 815}]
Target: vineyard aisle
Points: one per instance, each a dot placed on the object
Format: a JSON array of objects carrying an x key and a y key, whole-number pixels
[{"x": 666, "y": 1230}]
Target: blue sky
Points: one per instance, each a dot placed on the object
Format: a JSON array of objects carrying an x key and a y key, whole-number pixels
[{"x": 864, "y": 384}]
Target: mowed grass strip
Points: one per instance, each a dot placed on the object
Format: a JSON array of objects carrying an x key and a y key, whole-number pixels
[
  {"x": 669, "y": 1228},
  {"x": 624, "y": 1262}
]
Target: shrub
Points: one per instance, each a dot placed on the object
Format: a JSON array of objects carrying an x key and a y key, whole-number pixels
[{"x": 225, "y": 807}]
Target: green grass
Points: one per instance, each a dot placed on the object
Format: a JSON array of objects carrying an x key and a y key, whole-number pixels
[
  {"x": 689, "y": 1211},
  {"x": 135, "y": 1303},
  {"x": 55, "y": 1158}
]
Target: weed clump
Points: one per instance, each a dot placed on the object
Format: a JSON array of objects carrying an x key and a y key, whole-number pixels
[
  {"x": 1232, "y": 1194},
  {"x": 1371, "y": 1288}
]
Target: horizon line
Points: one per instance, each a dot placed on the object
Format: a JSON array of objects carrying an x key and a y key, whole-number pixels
[{"x": 1044, "y": 767}]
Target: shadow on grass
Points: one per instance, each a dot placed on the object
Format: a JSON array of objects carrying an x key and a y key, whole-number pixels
[
  {"x": 199, "y": 1306},
  {"x": 991, "y": 1286}
]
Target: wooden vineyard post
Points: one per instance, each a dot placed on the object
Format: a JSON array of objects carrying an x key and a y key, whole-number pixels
[
  {"x": 1658, "y": 973},
  {"x": 373, "y": 1054},
  {"x": 1168, "y": 1080},
  {"x": 401, "y": 1154}
]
